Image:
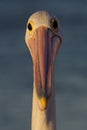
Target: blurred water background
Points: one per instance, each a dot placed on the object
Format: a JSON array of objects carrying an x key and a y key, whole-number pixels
[{"x": 16, "y": 74}]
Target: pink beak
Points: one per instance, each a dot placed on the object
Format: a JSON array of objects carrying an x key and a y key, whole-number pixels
[{"x": 44, "y": 46}]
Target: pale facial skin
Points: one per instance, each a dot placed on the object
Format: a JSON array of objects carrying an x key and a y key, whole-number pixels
[{"x": 43, "y": 38}]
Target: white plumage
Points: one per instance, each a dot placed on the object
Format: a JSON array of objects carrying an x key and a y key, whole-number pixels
[{"x": 43, "y": 38}]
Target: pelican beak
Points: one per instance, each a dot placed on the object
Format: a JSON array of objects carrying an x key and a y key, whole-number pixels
[{"x": 43, "y": 46}]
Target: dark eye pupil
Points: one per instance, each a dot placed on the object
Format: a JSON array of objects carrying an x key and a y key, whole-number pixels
[
  {"x": 55, "y": 24},
  {"x": 29, "y": 26}
]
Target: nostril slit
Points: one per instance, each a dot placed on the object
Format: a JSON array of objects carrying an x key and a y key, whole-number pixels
[{"x": 50, "y": 33}]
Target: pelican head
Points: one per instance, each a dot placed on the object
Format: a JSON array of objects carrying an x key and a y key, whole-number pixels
[{"x": 43, "y": 38}]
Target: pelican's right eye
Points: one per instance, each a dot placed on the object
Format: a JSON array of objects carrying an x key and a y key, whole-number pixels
[{"x": 30, "y": 27}]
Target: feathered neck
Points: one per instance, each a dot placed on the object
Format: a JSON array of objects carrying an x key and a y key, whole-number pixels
[{"x": 44, "y": 120}]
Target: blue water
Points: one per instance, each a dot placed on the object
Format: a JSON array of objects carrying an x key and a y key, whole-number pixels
[{"x": 16, "y": 65}]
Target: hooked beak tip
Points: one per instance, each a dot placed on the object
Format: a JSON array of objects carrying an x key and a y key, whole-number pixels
[{"x": 42, "y": 102}]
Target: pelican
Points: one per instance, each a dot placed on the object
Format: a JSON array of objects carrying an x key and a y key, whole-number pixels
[{"x": 43, "y": 38}]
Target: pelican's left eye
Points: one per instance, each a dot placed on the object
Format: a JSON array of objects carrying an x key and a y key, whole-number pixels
[{"x": 54, "y": 24}]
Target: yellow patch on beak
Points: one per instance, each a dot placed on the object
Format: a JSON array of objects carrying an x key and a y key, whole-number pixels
[{"x": 42, "y": 102}]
